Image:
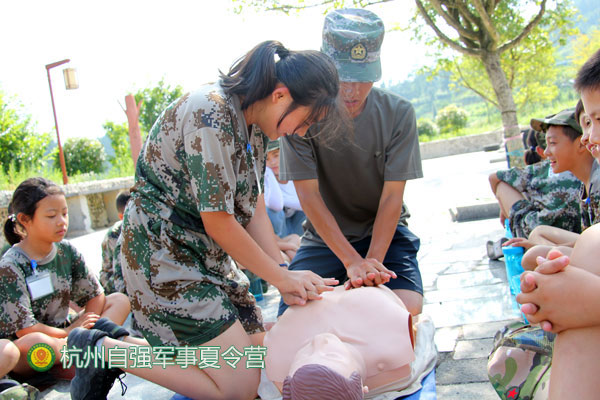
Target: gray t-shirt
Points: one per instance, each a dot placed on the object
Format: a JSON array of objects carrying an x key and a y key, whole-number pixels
[{"x": 353, "y": 168}]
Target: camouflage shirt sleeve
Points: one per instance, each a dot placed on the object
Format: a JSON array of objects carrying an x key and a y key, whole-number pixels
[
  {"x": 518, "y": 178},
  {"x": 85, "y": 285},
  {"x": 209, "y": 153},
  {"x": 17, "y": 313}
]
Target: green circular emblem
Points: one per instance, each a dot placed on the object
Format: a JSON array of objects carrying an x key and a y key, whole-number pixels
[{"x": 40, "y": 357}]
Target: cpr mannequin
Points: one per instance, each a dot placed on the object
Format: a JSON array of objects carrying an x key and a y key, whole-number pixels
[{"x": 362, "y": 338}]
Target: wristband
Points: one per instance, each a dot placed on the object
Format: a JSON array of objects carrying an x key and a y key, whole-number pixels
[{"x": 285, "y": 265}]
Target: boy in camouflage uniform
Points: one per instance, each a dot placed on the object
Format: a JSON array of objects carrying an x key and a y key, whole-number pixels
[
  {"x": 565, "y": 153},
  {"x": 111, "y": 276},
  {"x": 548, "y": 198}
]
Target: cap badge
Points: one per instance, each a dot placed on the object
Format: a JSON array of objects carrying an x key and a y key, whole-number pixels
[{"x": 358, "y": 52}]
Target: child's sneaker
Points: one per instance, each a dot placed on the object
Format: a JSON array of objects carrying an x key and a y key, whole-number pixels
[{"x": 494, "y": 249}]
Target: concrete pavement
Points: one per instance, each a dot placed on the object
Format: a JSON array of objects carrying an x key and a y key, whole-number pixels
[{"x": 465, "y": 294}]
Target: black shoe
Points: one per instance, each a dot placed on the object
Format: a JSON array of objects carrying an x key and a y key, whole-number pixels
[
  {"x": 114, "y": 331},
  {"x": 90, "y": 383}
]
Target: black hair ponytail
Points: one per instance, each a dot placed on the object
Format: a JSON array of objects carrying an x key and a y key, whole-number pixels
[
  {"x": 531, "y": 154},
  {"x": 24, "y": 201},
  {"x": 310, "y": 76}
]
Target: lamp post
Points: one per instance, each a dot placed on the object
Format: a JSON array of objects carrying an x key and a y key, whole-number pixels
[{"x": 70, "y": 83}]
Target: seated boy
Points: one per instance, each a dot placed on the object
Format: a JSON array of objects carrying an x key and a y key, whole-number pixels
[
  {"x": 110, "y": 278},
  {"x": 565, "y": 153},
  {"x": 563, "y": 294},
  {"x": 535, "y": 195}
]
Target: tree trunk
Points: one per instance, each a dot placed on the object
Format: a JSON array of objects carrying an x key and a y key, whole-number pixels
[{"x": 512, "y": 133}]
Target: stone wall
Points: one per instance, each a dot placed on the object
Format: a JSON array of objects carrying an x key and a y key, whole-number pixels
[
  {"x": 460, "y": 145},
  {"x": 91, "y": 205}
]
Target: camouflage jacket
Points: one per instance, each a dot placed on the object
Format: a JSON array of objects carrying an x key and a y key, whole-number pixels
[
  {"x": 554, "y": 196},
  {"x": 198, "y": 157},
  {"x": 70, "y": 278},
  {"x": 590, "y": 204},
  {"x": 109, "y": 243}
]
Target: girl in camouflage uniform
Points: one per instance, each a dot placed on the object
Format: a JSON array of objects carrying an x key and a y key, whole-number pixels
[
  {"x": 41, "y": 273},
  {"x": 197, "y": 203}
]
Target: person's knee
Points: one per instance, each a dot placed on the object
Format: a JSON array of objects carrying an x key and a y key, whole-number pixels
[
  {"x": 118, "y": 300},
  {"x": 413, "y": 301},
  {"x": 537, "y": 233},
  {"x": 9, "y": 354}
]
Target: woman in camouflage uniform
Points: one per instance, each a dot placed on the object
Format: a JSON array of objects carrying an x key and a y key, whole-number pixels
[{"x": 197, "y": 203}]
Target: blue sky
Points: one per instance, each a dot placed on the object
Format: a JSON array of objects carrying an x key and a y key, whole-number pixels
[{"x": 119, "y": 47}]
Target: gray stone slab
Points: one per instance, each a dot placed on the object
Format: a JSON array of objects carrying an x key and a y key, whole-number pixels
[
  {"x": 468, "y": 293},
  {"x": 467, "y": 391},
  {"x": 485, "y": 330},
  {"x": 475, "y": 212},
  {"x": 461, "y": 371},
  {"x": 459, "y": 312},
  {"x": 475, "y": 348},
  {"x": 473, "y": 278},
  {"x": 446, "y": 338}
]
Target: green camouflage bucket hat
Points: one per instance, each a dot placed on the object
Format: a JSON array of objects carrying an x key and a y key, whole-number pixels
[
  {"x": 563, "y": 118},
  {"x": 352, "y": 38},
  {"x": 273, "y": 145}
]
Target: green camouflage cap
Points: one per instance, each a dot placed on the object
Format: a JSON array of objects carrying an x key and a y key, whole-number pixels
[
  {"x": 352, "y": 38},
  {"x": 273, "y": 145},
  {"x": 563, "y": 118}
]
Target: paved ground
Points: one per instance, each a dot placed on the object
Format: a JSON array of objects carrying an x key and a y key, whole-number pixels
[{"x": 466, "y": 294}]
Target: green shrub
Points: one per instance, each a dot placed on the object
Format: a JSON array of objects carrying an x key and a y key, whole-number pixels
[
  {"x": 82, "y": 155},
  {"x": 427, "y": 127},
  {"x": 451, "y": 119}
]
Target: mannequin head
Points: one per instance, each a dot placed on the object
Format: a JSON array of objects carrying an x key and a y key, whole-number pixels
[
  {"x": 316, "y": 382},
  {"x": 326, "y": 364}
]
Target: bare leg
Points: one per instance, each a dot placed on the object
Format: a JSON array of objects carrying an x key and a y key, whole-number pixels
[
  {"x": 411, "y": 299},
  {"x": 576, "y": 358},
  {"x": 507, "y": 196},
  {"x": 552, "y": 236},
  {"x": 9, "y": 356},
  {"x": 24, "y": 344},
  {"x": 208, "y": 383},
  {"x": 116, "y": 308}
]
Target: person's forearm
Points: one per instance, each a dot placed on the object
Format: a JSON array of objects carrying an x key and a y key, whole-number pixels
[
  {"x": 237, "y": 242},
  {"x": 327, "y": 227},
  {"x": 386, "y": 221},
  {"x": 261, "y": 230},
  {"x": 45, "y": 329},
  {"x": 96, "y": 305}
]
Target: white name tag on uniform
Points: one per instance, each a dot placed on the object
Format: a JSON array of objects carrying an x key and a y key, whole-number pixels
[{"x": 39, "y": 285}]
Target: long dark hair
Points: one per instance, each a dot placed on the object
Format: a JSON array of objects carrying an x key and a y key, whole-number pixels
[
  {"x": 24, "y": 201},
  {"x": 309, "y": 75}
]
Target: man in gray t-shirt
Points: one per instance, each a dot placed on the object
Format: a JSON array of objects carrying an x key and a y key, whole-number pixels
[{"x": 352, "y": 187}]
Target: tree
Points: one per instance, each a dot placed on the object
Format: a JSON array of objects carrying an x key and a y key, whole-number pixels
[
  {"x": 82, "y": 155},
  {"x": 482, "y": 30},
  {"x": 451, "y": 119},
  {"x": 19, "y": 144},
  {"x": 154, "y": 101},
  {"x": 487, "y": 30},
  {"x": 119, "y": 141},
  {"x": 583, "y": 47}
]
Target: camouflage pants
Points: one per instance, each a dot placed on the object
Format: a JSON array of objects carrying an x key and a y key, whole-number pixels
[{"x": 184, "y": 290}]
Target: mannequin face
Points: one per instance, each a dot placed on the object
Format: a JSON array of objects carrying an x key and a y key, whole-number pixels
[{"x": 328, "y": 350}]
